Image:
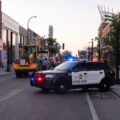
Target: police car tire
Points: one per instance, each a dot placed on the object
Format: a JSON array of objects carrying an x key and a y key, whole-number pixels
[
  {"x": 45, "y": 90},
  {"x": 104, "y": 87},
  {"x": 61, "y": 88}
]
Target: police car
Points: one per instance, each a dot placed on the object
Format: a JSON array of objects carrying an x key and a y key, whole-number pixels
[{"x": 75, "y": 74}]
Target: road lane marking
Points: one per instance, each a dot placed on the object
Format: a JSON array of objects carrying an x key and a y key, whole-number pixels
[
  {"x": 3, "y": 99},
  {"x": 91, "y": 107},
  {"x": 10, "y": 95}
]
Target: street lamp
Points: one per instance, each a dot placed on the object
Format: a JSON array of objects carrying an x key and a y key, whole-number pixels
[
  {"x": 99, "y": 50},
  {"x": 28, "y": 28},
  {"x": 92, "y": 51}
]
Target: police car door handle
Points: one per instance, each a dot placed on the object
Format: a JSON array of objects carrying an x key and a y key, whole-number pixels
[
  {"x": 85, "y": 73},
  {"x": 101, "y": 72}
]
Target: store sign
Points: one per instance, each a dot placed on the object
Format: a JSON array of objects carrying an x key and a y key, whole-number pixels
[{"x": 1, "y": 44}]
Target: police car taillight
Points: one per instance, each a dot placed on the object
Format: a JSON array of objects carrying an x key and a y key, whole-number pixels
[{"x": 40, "y": 78}]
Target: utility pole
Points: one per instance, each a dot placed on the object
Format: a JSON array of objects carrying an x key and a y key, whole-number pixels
[
  {"x": 88, "y": 53},
  {"x": 117, "y": 53},
  {"x": 92, "y": 51},
  {"x": 1, "y": 42},
  {"x": 8, "y": 52},
  {"x": 99, "y": 54}
]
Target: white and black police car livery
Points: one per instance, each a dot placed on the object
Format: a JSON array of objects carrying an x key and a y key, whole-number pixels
[{"x": 75, "y": 74}]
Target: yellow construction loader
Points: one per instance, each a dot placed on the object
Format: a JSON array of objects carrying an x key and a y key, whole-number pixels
[{"x": 28, "y": 60}]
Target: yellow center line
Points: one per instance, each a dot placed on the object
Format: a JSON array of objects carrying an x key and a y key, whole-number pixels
[{"x": 6, "y": 98}]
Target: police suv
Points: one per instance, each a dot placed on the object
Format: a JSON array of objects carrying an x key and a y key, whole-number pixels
[{"x": 75, "y": 74}]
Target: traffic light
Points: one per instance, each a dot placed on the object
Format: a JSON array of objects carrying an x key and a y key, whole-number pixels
[{"x": 63, "y": 46}]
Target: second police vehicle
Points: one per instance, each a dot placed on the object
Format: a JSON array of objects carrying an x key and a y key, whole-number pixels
[{"x": 75, "y": 74}]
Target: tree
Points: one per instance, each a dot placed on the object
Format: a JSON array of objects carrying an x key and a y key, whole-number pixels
[
  {"x": 110, "y": 40},
  {"x": 66, "y": 52},
  {"x": 52, "y": 46}
]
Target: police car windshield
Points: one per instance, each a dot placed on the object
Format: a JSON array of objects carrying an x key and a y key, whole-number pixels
[{"x": 66, "y": 66}]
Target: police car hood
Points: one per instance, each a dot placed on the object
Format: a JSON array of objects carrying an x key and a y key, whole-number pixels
[{"x": 51, "y": 71}]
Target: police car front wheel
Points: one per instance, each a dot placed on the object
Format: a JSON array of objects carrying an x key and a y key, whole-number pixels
[{"x": 61, "y": 88}]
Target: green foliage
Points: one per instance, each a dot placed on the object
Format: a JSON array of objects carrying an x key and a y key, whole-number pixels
[
  {"x": 52, "y": 46},
  {"x": 82, "y": 54},
  {"x": 110, "y": 40},
  {"x": 67, "y": 52}
]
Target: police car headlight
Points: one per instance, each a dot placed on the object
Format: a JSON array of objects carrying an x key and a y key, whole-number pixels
[{"x": 50, "y": 76}]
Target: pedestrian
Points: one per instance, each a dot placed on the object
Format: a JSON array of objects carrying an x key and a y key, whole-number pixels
[{"x": 44, "y": 64}]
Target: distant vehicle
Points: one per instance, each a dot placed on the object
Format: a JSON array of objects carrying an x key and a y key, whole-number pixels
[
  {"x": 28, "y": 60},
  {"x": 75, "y": 74}
]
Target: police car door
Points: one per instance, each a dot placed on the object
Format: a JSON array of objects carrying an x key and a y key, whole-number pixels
[
  {"x": 79, "y": 75},
  {"x": 95, "y": 74}
]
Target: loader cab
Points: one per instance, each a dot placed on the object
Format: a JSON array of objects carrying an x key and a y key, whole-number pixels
[
  {"x": 26, "y": 50},
  {"x": 28, "y": 53}
]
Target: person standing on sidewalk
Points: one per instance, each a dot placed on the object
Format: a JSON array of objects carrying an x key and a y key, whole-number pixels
[{"x": 44, "y": 63}]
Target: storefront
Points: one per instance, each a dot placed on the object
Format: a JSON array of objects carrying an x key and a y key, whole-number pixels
[{"x": 10, "y": 38}]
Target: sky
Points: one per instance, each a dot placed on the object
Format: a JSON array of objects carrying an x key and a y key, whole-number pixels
[{"x": 75, "y": 22}]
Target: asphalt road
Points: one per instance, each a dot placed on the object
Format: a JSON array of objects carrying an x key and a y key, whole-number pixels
[{"x": 20, "y": 101}]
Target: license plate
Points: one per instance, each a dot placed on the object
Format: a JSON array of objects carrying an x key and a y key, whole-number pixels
[{"x": 22, "y": 62}]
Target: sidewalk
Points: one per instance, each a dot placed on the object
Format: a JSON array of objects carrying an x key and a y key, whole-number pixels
[
  {"x": 116, "y": 89},
  {"x": 4, "y": 72}
]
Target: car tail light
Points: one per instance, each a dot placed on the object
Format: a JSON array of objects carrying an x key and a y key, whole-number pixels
[{"x": 40, "y": 78}]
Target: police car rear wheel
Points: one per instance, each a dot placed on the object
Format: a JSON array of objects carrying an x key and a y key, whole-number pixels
[
  {"x": 104, "y": 87},
  {"x": 45, "y": 90}
]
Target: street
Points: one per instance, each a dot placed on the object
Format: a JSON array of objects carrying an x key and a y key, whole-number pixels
[{"x": 20, "y": 101}]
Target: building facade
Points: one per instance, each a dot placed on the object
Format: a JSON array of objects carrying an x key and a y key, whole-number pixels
[
  {"x": 104, "y": 29},
  {"x": 10, "y": 38},
  {"x": 50, "y": 31},
  {"x": 22, "y": 35}
]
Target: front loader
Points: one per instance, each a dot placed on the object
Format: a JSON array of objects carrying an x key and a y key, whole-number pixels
[{"x": 28, "y": 60}]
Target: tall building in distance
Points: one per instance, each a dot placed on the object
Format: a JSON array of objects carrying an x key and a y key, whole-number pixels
[{"x": 50, "y": 31}]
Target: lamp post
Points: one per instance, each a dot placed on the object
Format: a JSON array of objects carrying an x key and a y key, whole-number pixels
[
  {"x": 99, "y": 54},
  {"x": 88, "y": 57},
  {"x": 92, "y": 51},
  {"x": 28, "y": 28}
]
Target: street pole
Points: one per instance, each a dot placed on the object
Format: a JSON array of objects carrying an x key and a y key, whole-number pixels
[
  {"x": 28, "y": 28},
  {"x": 117, "y": 53},
  {"x": 92, "y": 51},
  {"x": 99, "y": 54},
  {"x": 8, "y": 52},
  {"x": 88, "y": 53}
]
